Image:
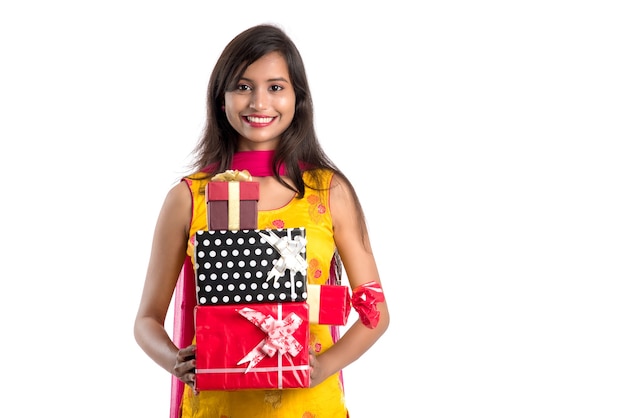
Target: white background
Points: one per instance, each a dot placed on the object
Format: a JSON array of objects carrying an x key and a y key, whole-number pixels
[{"x": 485, "y": 139}]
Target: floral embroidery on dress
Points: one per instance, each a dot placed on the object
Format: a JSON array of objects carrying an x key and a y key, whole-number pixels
[
  {"x": 274, "y": 398},
  {"x": 278, "y": 223},
  {"x": 316, "y": 207},
  {"x": 314, "y": 269},
  {"x": 315, "y": 343}
]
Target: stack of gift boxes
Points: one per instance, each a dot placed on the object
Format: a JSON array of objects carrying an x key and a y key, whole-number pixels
[{"x": 254, "y": 304}]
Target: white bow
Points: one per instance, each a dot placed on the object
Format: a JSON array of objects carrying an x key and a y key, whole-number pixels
[{"x": 290, "y": 250}]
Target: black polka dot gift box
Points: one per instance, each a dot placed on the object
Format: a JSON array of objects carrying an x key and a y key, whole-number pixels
[{"x": 250, "y": 266}]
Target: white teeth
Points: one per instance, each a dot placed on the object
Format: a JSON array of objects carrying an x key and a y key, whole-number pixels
[{"x": 259, "y": 120}]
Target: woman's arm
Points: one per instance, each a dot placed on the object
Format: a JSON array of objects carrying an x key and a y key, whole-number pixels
[
  {"x": 169, "y": 247},
  {"x": 360, "y": 267}
]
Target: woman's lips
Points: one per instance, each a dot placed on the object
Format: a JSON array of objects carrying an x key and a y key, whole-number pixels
[{"x": 258, "y": 121}]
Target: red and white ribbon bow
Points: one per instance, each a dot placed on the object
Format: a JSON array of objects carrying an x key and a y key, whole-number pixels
[
  {"x": 279, "y": 336},
  {"x": 364, "y": 300}
]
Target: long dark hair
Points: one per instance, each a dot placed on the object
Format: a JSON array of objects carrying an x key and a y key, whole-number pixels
[{"x": 299, "y": 143}]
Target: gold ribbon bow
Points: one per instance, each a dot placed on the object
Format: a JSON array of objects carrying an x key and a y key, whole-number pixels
[{"x": 233, "y": 175}]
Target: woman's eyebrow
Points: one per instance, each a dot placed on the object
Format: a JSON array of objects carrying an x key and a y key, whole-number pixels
[{"x": 268, "y": 80}]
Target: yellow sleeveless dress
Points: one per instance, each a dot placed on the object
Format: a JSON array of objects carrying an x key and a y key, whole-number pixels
[{"x": 325, "y": 400}]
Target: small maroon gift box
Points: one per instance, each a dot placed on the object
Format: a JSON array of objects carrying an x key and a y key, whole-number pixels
[
  {"x": 232, "y": 205},
  {"x": 328, "y": 304},
  {"x": 259, "y": 346}
]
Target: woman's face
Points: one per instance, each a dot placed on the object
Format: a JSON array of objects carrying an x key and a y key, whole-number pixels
[{"x": 263, "y": 104}]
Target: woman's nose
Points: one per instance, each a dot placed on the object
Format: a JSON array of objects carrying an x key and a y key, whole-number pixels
[{"x": 259, "y": 100}]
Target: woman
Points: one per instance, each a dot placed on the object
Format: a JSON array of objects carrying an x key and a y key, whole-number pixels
[{"x": 260, "y": 119}]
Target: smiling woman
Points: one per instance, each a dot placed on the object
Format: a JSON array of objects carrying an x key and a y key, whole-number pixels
[{"x": 260, "y": 122}]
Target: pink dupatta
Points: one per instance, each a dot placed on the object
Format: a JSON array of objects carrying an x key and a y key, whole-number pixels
[{"x": 183, "y": 332}]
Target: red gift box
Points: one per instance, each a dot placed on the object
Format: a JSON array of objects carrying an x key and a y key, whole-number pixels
[
  {"x": 259, "y": 346},
  {"x": 232, "y": 205},
  {"x": 328, "y": 304}
]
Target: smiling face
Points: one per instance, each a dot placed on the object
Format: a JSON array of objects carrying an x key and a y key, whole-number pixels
[{"x": 263, "y": 103}]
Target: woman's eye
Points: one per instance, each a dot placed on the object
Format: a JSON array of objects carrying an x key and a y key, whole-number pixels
[
  {"x": 243, "y": 87},
  {"x": 276, "y": 88}
]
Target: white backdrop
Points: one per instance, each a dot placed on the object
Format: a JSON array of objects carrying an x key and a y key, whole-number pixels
[{"x": 485, "y": 139}]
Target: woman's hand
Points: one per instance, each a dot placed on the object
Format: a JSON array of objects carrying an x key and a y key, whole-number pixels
[
  {"x": 317, "y": 374},
  {"x": 185, "y": 368}
]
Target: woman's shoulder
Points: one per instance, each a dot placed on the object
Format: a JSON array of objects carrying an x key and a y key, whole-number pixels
[
  {"x": 318, "y": 177},
  {"x": 201, "y": 175},
  {"x": 196, "y": 181}
]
